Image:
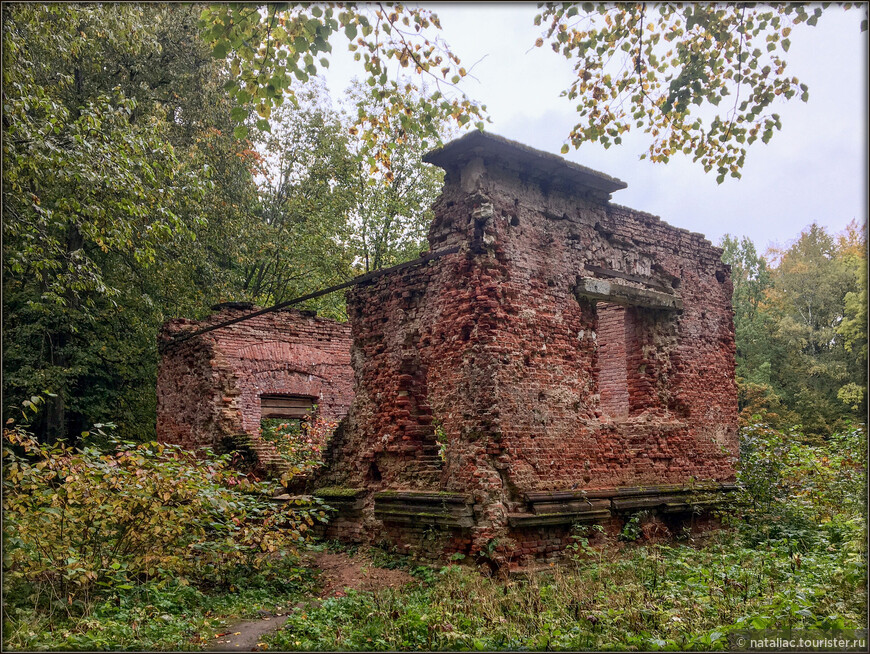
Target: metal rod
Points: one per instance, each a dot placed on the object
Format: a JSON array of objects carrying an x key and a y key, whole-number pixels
[{"x": 310, "y": 296}]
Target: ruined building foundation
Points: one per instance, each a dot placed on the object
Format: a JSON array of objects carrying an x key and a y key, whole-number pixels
[
  {"x": 572, "y": 362},
  {"x": 213, "y": 390}
]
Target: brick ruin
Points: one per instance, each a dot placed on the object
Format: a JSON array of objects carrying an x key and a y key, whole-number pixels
[
  {"x": 214, "y": 389},
  {"x": 573, "y": 362},
  {"x": 568, "y": 361}
]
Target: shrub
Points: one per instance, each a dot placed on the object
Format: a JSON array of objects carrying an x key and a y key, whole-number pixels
[
  {"x": 792, "y": 487},
  {"x": 299, "y": 443},
  {"x": 79, "y": 523}
]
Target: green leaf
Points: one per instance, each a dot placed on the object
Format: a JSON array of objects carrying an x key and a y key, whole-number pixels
[
  {"x": 220, "y": 50},
  {"x": 240, "y": 132}
]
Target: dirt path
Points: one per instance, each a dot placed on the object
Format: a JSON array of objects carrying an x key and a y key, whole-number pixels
[
  {"x": 339, "y": 572},
  {"x": 246, "y": 636}
]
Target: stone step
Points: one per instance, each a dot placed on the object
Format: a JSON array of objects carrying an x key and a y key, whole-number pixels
[
  {"x": 428, "y": 472},
  {"x": 266, "y": 453}
]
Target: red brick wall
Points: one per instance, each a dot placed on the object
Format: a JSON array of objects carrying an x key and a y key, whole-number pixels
[
  {"x": 209, "y": 387},
  {"x": 491, "y": 348}
]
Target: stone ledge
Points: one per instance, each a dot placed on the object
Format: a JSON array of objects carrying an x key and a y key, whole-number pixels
[
  {"x": 421, "y": 507},
  {"x": 622, "y": 491},
  {"x": 454, "y": 510},
  {"x": 343, "y": 500},
  {"x": 560, "y": 507},
  {"x": 339, "y": 491},
  {"x": 520, "y": 520},
  {"x": 658, "y": 489},
  {"x": 575, "y": 505},
  {"x": 592, "y": 288},
  {"x": 414, "y": 516},
  {"x": 425, "y": 497},
  {"x": 675, "y": 501}
]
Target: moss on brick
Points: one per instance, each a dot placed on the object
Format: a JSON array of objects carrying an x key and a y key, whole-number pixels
[{"x": 338, "y": 491}]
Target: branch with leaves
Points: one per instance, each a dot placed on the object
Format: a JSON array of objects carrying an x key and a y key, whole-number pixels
[
  {"x": 271, "y": 50},
  {"x": 667, "y": 68}
]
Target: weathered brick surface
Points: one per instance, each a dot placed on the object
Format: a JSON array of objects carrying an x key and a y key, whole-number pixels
[
  {"x": 492, "y": 348},
  {"x": 209, "y": 387},
  {"x": 612, "y": 362}
]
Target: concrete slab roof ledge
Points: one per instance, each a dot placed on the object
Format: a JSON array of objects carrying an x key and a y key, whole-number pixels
[{"x": 502, "y": 152}]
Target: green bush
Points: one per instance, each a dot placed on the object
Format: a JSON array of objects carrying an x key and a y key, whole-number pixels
[
  {"x": 797, "y": 490},
  {"x": 80, "y": 524},
  {"x": 299, "y": 442}
]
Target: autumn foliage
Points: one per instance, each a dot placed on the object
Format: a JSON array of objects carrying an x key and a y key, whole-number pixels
[{"x": 83, "y": 522}]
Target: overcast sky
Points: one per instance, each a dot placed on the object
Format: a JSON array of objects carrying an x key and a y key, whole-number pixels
[{"x": 813, "y": 170}]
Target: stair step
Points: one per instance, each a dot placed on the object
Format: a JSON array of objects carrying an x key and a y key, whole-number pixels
[
  {"x": 429, "y": 471},
  {"x": 266, "y": 453}
]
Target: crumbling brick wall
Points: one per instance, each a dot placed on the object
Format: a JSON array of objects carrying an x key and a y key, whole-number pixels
[
  {"x": 209, "y": 388},
  {"x": 495, "y": 351}
]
